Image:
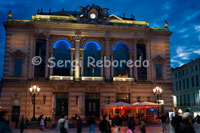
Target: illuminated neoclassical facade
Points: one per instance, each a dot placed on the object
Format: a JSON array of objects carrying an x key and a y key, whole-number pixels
[{"x": 67, "y": 35}]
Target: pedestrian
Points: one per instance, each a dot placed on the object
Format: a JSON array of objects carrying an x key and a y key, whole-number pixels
[
  {"x": 104, "y": 125},
  {"x": 187, "y": 123},
  {"x": 66, "y": 124},
  {"x": 39, "y": 118},
  {"x": 79, "y": 124},
  {"x": 21, "y": 123},
  {"x": 142, "y": 127},
  {"x": 4, "y": 118},
  {"x": 131, "y": 123},
  {"x": 176, "y": 122},
  {"x": 42, "y": 124},
  {"x": 92, "y": 124},
  {"x": 163, "y": 122},
  {"x": 117, "y": 123},
  {"x": 62, "y": 126}
]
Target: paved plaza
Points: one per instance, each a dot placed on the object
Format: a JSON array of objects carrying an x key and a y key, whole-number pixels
[{"x": 151, "y": 128}]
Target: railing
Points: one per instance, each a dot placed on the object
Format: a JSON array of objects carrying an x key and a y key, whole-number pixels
[
  {"x": 92, "y": 78},
  {"x": 122, "y": 79},
  {"x": 61, "y": 77}
]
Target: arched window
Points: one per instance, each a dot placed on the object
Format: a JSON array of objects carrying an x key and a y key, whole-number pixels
[
  {"x": 91, "y": 53},
  {"x": 120, "y": 58},
  {"x": 62, "y": 54}
]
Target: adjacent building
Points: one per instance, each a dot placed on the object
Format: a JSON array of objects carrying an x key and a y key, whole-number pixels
[
  {"x": 186, "y": 86},
  {"x": 83, "y": 89}
]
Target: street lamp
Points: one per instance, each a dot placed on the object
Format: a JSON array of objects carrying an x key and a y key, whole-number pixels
[
  {"x": 34, "y": 90},
  {"x": 158, "y": 92}
]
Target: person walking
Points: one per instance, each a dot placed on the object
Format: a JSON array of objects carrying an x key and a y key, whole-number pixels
[
  {"x": 176, "y": 122},
  {"x": 42, "y": 124},
  {"x": 92, "y": 124},
  {"x": 187, "y": 123},
  {"x": 163, "y": 122},
  {"x": 62, "y": 126},
  {"x": 104, "y": 125},
  {"x": 21, "y": 123},
  {"x": 117, "y": 123},
  {"x": 142, "y": 127},
  {"x": 79, "y": 124},
  {"x": 4, "y": 118},
  {"x": 131, "y": 123}
]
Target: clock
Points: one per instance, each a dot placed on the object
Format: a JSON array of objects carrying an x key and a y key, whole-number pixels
[{"x": 92, "y": 16}]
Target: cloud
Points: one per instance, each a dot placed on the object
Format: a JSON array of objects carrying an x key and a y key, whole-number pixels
[{"x": 197, "y": 28}]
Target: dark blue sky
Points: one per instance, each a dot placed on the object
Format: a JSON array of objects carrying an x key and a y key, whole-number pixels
[{"x": 183, "y": 17}]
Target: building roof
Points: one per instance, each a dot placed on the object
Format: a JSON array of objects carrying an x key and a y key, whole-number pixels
[
  {"x": 101, "y": 17},
  {"x": 187, "y": 64}
]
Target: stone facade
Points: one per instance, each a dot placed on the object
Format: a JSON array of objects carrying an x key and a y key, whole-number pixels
[{"x": 78, "y": 28}]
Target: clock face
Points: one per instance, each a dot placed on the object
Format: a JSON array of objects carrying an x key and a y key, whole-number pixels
[{"x": 92, "y": 16}]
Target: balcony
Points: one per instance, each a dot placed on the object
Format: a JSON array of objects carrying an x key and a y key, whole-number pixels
[
  {"x": 52, "y": 77},
  {"x": 92, "y": 78},
  {"x": 123, "y": 79}
]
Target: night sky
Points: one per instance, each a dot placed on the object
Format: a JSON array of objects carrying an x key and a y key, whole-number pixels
[{"x": 183, "y": 17}]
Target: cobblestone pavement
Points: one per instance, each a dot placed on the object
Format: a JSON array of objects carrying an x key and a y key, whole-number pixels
[{"x": 153, "y": 128}]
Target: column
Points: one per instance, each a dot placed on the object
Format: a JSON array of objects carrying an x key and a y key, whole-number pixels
[
  {"x": 47, "y": 57},
  {"x": 102, "y": 55},
  {"x": 82, "y": 63},
  {"x": 51, "y": 69},
  {"x": 112, "y": 68},
  {"x": 135, "y": 58},
  {"x": 107, "y": 57},
  {"x": 130, "y": 68},
  {"x": 148, "y": 57},
  {"x": 77, "y": 58},
  {"x": 71, "y": 65},
  {"x": 32, "y": 49},
  {"x": 102, "y": 67}
]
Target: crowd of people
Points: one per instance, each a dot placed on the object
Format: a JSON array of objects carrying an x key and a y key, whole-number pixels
[{"x": 181, "y": 123}]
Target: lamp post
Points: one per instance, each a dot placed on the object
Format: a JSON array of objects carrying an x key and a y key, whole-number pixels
[
  {"x": 34, "y": 90},
  {"x": 158, "y": 92}
]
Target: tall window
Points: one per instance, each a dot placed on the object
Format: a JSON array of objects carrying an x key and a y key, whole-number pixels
[
  {"x": 179, "y": 85},
  {"x": 180, "y": 100},
  {"x": 187, "y": 80},
  {"x": 188, "y": 99},
  {"x": 183, "y": 83},
  {"x": 18, "y": 68},
  {"x": 194, "y": 99},
  {"x": 121, "y": 51},
  {"x": 158, "y": 71},
  {"x": 91, "y": 53},
  {"x": 184, "y": 97},
  {"x": 176, "y": 86},
  {"x": 141, "y": 53},
  {"x": 40, "y": 50},
  {"x": 192, "y": 81},
  {"x": 177, "y": 102},
  {"x": 62, "y": 54},
  {"x": 197, "y": 80}
]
